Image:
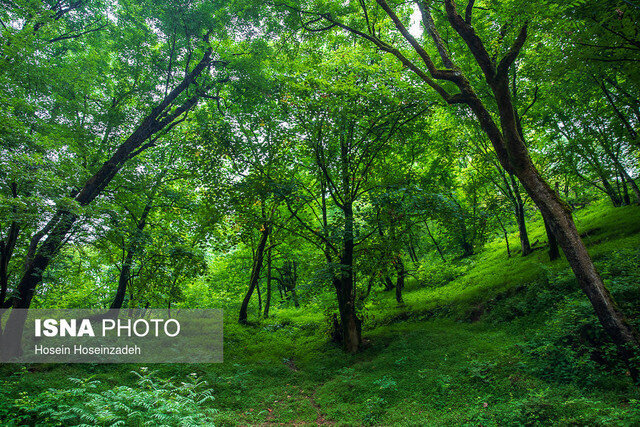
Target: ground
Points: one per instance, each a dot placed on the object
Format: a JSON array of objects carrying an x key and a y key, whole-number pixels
[{"x": 509, "y": 341}]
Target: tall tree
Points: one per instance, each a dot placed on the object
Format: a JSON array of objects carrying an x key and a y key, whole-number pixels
[
  {"x": 456, "y": 86},
  {"x": 176, "y": 85}
]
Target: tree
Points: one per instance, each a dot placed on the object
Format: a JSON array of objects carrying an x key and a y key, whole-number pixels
[
  {"x": 506, "y": 138},
  {"x": 348, "y": 126},
  {"x": 176, "y": 95}
]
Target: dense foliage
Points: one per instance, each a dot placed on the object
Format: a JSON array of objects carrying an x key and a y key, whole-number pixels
[{"x": 414, "y": 184}]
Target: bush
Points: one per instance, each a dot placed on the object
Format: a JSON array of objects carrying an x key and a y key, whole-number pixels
[
  {"x": 572, "y": 347},
  {"x": 153, "y": 402},
  {"x": 437, "y": 275}
]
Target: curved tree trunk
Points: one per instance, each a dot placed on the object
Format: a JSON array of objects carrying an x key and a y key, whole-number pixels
[
  {"x": 267, "y": 301},
  {"x": 255, "y": 273}
]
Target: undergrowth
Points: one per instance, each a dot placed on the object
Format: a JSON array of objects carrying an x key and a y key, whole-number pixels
[{"x": 488, "y": 340}]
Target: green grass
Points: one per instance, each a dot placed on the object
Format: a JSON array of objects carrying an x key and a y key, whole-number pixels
[
  {"x": 424, "y": 363},
  {"x": 492, "y": 272}
]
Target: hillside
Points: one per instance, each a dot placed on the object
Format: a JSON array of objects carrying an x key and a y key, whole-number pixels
[{"x": 511, "y": 341}]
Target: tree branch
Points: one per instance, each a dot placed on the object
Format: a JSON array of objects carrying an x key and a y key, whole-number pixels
[{"x": 503, "y": 67}]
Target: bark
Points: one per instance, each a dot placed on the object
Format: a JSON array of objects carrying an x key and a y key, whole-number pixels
[
  {"x": 512, "y": 191},
  {"x": 633, "y": 185},
  {"x": 267, "y": 302},
  {"x": 259, "y": 297},
  {"x": 561, "y": 224},
  {"x": 137, "y": 246},
  {"x": 7, "y": 247},
  {"x": 554, "y": 251},
  {"x": 344, "y": 286},
  {"x": 506, "y": 240},
  {"x": 164, "y": 116},
  {"x": 512, "y": 153},
  {"x": 6, "y": 252},
  {"x": 625, "y": 190},
  {"x": 616, "y": 201},
  {"x": 400, "y": 269},
  {"x": 521, "y": 219},
  {"x": 123, "y": 280},
  {"x": 294, "y": 295},
  {"x": 350, "y": 323},
  {"x": 255, "y": 273},
  {"x": 411, "y": 249}
]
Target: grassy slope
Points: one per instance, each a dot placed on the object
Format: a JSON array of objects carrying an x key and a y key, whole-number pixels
[{"x": 437, "y": 368}]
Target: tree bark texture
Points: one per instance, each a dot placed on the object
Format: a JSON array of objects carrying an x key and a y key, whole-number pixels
[{"x": 255, "y": 272}]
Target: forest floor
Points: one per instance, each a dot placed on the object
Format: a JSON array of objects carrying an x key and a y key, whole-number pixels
[{"x": 500, "y": 341}]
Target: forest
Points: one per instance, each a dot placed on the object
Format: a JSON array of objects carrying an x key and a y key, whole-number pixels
[{"x": 416, "y": 212}]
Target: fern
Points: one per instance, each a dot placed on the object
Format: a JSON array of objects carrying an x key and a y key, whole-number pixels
[{"x": 153, "y": 402}]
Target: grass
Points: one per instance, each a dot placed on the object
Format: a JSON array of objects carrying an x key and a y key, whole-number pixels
[{"x": 424, "y": 363}]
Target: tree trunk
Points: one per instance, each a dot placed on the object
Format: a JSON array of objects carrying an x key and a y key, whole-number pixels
[
  {"x": 349, "y": 321},
  {"x": 521, "y": 219},
  {"x": 400, "y": 279},
  {"x": 259, "y": 297},
  {"x": 369, "y": 286},
  {"x": 554, "y": 251},
  {"x": 388, "y": 283},
  {"x": 509, "y": 148},
  {"x": 123, "y": 281},
  {"x": 611, "y": 192},
  {"x": 136, "y": 246},
  {"x": 506, "y": 240},
  {"x": 506, "y": 236},
  {"x": 412, "y": 250},
  {"x": 563, "y": 227},
  {"x": 267, "y": 302},
  {"x": 6, "y": 252},
  {"x": 632, "y": 184},
  {"x": 255, "y": 273},
  {"x": 624, "y": 174},
  {"x": 294, "y": 295},
  {"x": 513, "y": 154},
  {"x": 351, "y": 324},
  {"x": 435, "y": 243}
]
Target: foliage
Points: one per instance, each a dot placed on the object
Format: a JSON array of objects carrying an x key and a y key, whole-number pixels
[{"x": 152, "y": 401}]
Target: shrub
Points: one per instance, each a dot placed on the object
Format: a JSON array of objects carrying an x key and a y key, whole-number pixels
[
  {"x": 153, "y": 402},
  {"x": 437, "y": 275}
]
